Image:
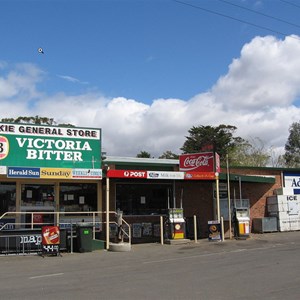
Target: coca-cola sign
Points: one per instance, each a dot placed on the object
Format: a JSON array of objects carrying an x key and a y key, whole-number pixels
[{"x": 197, "y": 162}]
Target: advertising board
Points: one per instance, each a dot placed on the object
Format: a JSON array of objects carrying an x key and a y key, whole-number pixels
[
  {"x": 38, "y": 146},
  {"x": 197, "y": 162},
  {"x": 292, "y": 182},
  {"x": 50, "y": 239},
  {"x": 127, "y": 174},
  {"x": 214, "y": 231},
  {"x": 199, "y": 175},
  {"x": 141, "y": 174},
  {"x": 164, "y": 175},
  {"x": 173, "y": 175}
]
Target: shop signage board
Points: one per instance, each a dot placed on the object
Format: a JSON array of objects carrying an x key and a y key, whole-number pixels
[
  {"x": 30, "y": 146},
  {"x": 164, "y": 175},
  {"x": 292, "y": 182},
  {"x": 197, "y": 162},
  {"x": 141, "y": 174},
  {"x": 59, "y": 173},
  {"x": 50, "y": 239},
  {"x": 127, "y": 174},
  {"x": 214, "y": 231},
  {"x": 87, "y": 173},
  {"x": 53, "y": 173},
  {"x": 17, "y": 172},
  {"x": 200, "y": 175}
]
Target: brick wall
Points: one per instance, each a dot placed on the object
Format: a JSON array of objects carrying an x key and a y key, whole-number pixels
[{"x": 198, "y": 197}]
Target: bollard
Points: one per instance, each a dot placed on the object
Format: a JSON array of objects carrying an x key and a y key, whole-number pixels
[
  {"x": 71, "y": 237},
  {"x": 222, "y": 228},
  {"x": 161, "y": 230},
  {"x": 195, "y": 229}
]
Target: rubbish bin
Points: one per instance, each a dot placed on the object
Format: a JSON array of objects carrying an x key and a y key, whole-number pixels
[{"x": 84, "y": 232}]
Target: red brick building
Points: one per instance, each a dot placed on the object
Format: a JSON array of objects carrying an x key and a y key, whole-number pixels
[{"x": 144, "y": 200}]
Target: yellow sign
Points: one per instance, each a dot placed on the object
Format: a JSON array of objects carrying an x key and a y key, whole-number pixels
[{"x": 55, "y": 173}]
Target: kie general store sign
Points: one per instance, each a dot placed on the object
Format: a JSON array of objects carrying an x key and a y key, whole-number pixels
[{"x": 37, "y": 146}]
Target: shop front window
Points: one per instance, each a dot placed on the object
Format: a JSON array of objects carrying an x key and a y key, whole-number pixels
[
  {"x": 37, "y": 195},
  {"x": 7, "y": 197},
  {"x": 143, "y": 199},
  {"x": 77, "y": 197}
]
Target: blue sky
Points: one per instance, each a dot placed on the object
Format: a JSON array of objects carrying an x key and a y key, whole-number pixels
[{"x": 124, "y": 64}]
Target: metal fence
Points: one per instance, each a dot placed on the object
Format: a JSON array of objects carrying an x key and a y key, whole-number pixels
[{"x": 20, "y": 232}]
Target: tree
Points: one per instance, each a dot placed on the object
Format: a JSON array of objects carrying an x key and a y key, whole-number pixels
[
  {"x": 34, "y": 120},
  {"x": 169, "y": 155},
  {"x": 292, "y": 146},
  {"x": 209, "y": 138},
  {"x": 252, "y": 154},
  {"x": 277, "y": 160},
  {"x": 30, "y": 120},
  {"x": 143, "y": 154}
]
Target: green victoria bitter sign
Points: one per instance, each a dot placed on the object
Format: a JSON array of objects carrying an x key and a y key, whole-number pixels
[{"x": 26, "y": 145}]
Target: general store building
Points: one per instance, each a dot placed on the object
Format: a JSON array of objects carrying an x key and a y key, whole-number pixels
[
  {"x": 143, "y": 199},
  {"x": 49, "y": 169},
  {"x": 60, "y": 169}
]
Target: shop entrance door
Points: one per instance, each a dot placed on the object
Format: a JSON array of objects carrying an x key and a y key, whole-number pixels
[{"x": 37, "y": 198}]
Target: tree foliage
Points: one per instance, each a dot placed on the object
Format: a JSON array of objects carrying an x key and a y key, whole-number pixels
[
  {"x": 253, "y": 154},
  {"x": 30, "y": 120},
  {"x": 34, "y": 120},
  {"x": 220, "y": 139},
  {"x": 143, "y": 154},
  {"x": 169, "y": 155},
  {"x": 292, "y": 146}
]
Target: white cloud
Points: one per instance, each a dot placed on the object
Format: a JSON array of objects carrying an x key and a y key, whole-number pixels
[
  {"x": 257, "y": 95},
  {"x": 19, "y": 82},
  {"x": 71, "y": 79},
  {"x": 266, "y": 75}
]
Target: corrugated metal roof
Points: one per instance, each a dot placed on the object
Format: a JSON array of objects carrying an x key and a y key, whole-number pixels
[{"x": 249, "y": 178}]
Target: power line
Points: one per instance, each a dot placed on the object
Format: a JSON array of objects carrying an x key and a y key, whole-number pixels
[
  {"x": 290, "y": 3},
  {"x": 235, "y": 19},
  {"x": 260, "y": 13}
]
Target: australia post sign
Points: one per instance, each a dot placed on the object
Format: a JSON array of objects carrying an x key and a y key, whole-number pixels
[
  {"x": 198, "y": 162},
  {"x": 37, "y": 146}
]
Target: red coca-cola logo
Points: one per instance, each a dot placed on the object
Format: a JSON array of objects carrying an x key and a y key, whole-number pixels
[
  {"x": 202, "y": 162},
  {"x": 197, "y": 162}
]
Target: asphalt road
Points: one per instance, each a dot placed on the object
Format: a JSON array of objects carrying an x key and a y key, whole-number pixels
[{"x": 266, "y": 266}]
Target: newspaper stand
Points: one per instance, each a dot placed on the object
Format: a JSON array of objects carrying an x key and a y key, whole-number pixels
[{"x": 50, "y": 240}]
